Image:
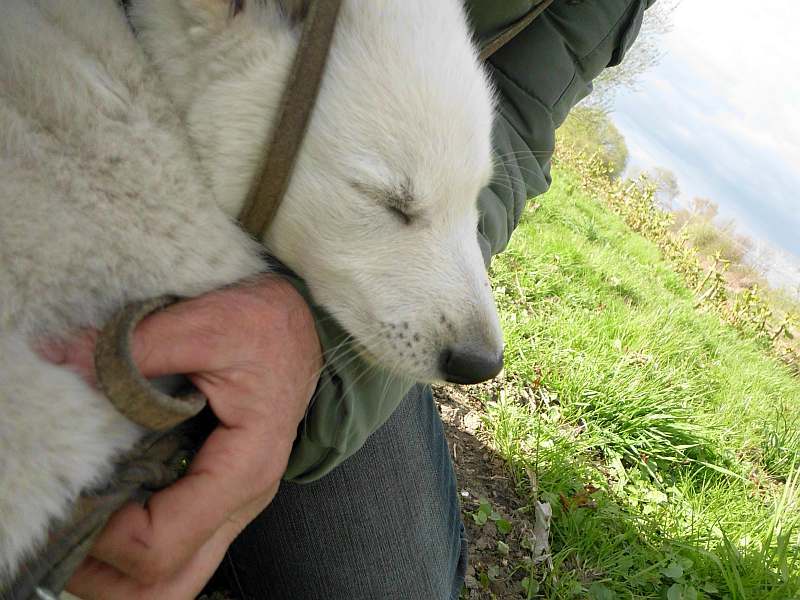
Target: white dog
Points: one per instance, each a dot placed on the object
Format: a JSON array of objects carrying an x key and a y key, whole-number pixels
[{"x": 105, "y": 200}]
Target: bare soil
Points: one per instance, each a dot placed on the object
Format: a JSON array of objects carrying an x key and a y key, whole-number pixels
[{"x": 497, "y": 562}]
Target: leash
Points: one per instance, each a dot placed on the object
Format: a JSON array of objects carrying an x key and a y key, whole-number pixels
[
  {"x": 298, "y": 101},
  {"x": 160, "y": 459},
  {"x": 157, "y": 462}
]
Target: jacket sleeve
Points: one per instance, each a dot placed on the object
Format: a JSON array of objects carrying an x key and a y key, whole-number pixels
[{"x": 540, "y": 75}]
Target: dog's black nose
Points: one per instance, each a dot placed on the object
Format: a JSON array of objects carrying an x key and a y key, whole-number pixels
[{"x": 467, "y": 366}]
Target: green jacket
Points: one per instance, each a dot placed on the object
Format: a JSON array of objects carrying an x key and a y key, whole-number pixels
[{"x": 540, "y": 75}]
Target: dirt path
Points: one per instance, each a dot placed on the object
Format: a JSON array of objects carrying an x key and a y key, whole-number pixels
[{"x": 499, "y": 562}]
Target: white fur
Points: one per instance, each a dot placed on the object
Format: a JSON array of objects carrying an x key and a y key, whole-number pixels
[{"x": 102, "y": 201}]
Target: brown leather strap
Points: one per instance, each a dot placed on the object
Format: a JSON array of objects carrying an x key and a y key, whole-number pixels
[
  {"x": 289, "y": 129},
  {"x": 123, "y": 384},
  {"x": 509, "y": 33}
]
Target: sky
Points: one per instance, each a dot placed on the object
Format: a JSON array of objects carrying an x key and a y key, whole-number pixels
[{"x": 722, "y": 111}]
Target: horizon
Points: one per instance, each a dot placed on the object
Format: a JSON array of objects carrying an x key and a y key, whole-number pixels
[{"x": 718, "y": 115}]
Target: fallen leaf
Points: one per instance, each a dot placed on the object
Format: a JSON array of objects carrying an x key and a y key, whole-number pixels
[
  {"x": 483, "y": 542},
  {"x": 541, "y": 532}
]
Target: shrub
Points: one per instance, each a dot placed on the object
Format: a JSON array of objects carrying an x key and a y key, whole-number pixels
[{"x": 591, "y": 131}]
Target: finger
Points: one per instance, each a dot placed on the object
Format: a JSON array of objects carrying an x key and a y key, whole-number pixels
[
  {"x": 173, "y": 340},
  {"x": 95, "y": 580},
  {"x": 202, "y": 334},
  {"x": 210, "y": 332},
  {"x": 151, "y": 542},
  {"x": 183, "y": 338}
]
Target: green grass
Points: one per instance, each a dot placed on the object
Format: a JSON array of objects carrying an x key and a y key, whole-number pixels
[{"x": 667, "y": 444}]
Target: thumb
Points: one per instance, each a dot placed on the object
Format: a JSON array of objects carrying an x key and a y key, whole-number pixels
[{"x": 183, "y": 338}]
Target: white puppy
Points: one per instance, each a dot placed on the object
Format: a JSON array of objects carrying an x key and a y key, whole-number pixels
[{"x": 104, "y": 200}]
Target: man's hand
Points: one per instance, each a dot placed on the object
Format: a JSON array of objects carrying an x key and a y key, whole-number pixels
[{"x": 254, "y": 352}]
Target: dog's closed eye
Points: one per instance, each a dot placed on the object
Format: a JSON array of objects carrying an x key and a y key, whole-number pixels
[
  {"x": 398, "y": 212},
  {"x": 399, "y": 201}
]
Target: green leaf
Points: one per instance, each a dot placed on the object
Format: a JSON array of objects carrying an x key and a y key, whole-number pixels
[
  {"x": 530, "y": 586},
  {"x": 550, "y": 498},
  {"x": 495, "y": 516},
  {"x": 484, "y": 580},
  {"x": 574, "y": 588},
  {"x": 528, "y": 542},
  {"x": 479, "y": 518},
  {"x": 675, "y": 592},
  {"x": 503, "y": 526},
  {"x": 624, "y": 564},
  {"x": 710, "y": 587},
  {"x": 673, "y": 571},
  {"x": 598, "y": 591},
  {"x": 493, "y": 572},
  {"x": 502, "y": 548},
  {"x": 723, "y": 470},
  {"x": 656, "y": 496}
]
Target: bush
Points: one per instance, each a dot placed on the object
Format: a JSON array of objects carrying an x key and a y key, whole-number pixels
[
  {"x": 591, "y": 131},
  {"x": 710, "y": 240}
]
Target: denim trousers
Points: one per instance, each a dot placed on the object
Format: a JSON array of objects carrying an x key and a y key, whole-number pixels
[{"x": 384, "y": 525}]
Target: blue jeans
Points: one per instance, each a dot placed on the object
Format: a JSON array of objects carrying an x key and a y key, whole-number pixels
[{"x": 383, "y": 525}]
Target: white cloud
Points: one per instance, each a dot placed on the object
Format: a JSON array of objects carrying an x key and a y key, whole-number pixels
[
  {"x": 748, "y": 54},
  {"x": 720, "y": 109}
]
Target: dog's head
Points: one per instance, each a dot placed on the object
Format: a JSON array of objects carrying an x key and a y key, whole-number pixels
[{"x": 381, "y": 215}]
